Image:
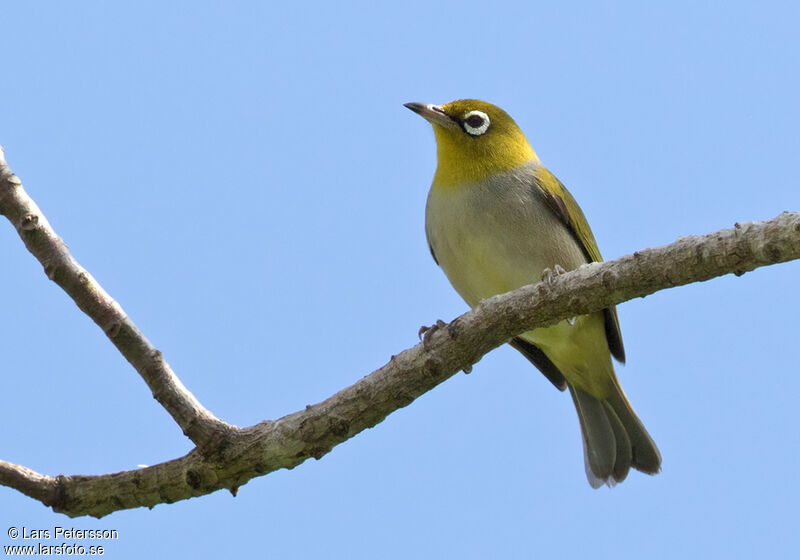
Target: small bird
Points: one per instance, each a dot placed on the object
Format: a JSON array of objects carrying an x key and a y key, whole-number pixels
[{"x": 496, "y": 219}]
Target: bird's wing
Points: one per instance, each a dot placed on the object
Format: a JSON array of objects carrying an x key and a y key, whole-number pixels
[
  {"x": 560, "y": 201},
  {"x": 541, "y": 361}
]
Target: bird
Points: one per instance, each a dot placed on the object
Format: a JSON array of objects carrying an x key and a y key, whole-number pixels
[{"x": 497, "y": 219}]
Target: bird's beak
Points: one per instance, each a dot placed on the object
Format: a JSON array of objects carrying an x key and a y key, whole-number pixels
[{"x": 434, "y": 114}]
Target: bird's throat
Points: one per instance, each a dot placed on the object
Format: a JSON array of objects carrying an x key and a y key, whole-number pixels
[{"x": 458, "y": 166}]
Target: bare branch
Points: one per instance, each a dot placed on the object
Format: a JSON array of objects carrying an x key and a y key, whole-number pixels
[
  {"x": 239, "y": 455},
  {"x": 38, "y": 486},
  {"x": 59, "y": 265}
]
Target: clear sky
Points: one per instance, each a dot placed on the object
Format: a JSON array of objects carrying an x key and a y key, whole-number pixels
[{"x": 243, "y": 178}]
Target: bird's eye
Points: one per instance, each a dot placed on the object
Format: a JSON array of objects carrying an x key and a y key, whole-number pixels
[{"x": 476, "y": 123}]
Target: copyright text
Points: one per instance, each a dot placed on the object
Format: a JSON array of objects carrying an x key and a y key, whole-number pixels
[{"x": 59, "y": 534}]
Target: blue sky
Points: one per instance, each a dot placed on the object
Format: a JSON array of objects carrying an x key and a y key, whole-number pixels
[{"x": 244, "y": 179}]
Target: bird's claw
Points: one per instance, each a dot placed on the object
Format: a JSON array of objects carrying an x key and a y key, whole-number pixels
[
  {"x": 549, "y": 275},
  {"x": 426, "y": 332}
]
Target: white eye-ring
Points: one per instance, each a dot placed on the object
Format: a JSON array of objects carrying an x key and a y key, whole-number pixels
[{"x": 476, "y": 123}]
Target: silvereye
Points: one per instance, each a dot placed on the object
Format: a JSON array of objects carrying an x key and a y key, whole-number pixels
[{"x": 496, "y": 218}]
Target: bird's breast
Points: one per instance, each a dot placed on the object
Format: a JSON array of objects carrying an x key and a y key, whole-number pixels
[{"x": 497, "y": 235}]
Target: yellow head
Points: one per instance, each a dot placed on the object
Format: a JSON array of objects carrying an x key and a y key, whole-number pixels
[{"x": 474, "y": 140}]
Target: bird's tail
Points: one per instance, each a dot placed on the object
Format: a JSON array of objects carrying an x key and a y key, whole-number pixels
[{"x": 614, "y": 439}]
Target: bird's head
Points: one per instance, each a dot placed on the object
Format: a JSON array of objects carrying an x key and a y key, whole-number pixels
[{"x": 474, "y": 139}]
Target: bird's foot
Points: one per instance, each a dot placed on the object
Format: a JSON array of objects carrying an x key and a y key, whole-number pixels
[
  {"x": 426, "y": 332},
  {"x": 549, "y": 275}
]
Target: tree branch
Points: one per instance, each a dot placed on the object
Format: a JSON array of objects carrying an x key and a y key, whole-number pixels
[
  {"x": 196, "y": 422},
  {"x": 240, "y": 454},
  {"x": 37, "y": 486}
]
